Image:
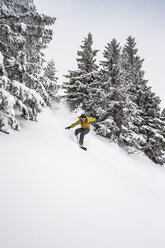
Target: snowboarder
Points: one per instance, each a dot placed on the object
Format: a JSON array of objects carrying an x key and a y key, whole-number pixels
[{"x": 85, "y": 127}]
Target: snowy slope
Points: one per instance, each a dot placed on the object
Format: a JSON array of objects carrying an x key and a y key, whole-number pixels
[{"x": 55, "y": 195}]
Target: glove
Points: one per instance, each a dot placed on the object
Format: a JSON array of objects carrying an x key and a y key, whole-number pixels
[{"x": 68, "y": 127}]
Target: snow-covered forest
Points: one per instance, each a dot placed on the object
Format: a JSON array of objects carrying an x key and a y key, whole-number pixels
[
  {"x": 27, "y": 82},
  {"x": 114, "y": 90},
  {"x": 53, "y": 194}
]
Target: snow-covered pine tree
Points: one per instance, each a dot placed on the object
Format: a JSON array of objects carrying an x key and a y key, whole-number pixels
[
  {"x": 23, "y": 35},
  {"x": 117, "y": 115},
  {"x": 77, "y": 88},
  {"x": 87, "y": 56},
  {"x": 132, "y": 73},
  {"x": 50, "y": 82},
  {"x": 163, "y": 113},
  {"x": 94, "y": 94},
  {"x": 7, "y": 102},
  {"x": 111, "y": 64},
  {"x": 151, "y": 125},
  {"x": 104, "y": 92}
]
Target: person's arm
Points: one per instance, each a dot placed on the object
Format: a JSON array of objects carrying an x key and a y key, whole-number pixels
[
  {"x": 91, "y": 119},
  {"x": 76, "y": 123}
]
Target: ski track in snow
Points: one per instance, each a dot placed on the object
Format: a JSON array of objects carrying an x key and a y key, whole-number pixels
[{"x": 53, "y": 194}]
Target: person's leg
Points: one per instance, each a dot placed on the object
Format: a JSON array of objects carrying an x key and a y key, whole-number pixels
[
  {"x": 83, "y": 133},
  {"x": 78, "y": 130}
]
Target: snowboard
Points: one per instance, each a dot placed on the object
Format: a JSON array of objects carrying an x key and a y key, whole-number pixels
[
  {"x": 77, "y": 141},
  {"x": 83, "y": 147}
]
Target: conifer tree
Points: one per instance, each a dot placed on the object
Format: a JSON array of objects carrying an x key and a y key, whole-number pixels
[
  {"x": 7, "y": 102},
  {"x": 23, "y": 35},
  {"x": 111, "y": 64},
  {"x": 105, "y": 95},
  {"x": 50, "y": 82},
  {"x": 77, "y": 89},
  {"x": 132, "y": 73},
  {"x": 101, "y": 85},
  {"x": 106, "y": 80},
  {"x": 148, "y": 104},
  {"x": 118, "y": 117},
  {"x": 86, "y": 60},
  {"x": 163, "y": 114}
]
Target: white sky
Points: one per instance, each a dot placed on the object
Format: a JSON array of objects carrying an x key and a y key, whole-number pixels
[{"x": 107, "y": 19}]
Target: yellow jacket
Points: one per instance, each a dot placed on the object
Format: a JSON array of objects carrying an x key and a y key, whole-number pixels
[{"x": 84, "y": 124}]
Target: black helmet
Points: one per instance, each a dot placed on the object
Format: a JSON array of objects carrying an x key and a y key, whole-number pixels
[{"x": 83, "y": 116}]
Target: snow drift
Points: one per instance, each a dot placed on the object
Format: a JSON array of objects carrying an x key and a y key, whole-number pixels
[{"x": 53, "y": 194}]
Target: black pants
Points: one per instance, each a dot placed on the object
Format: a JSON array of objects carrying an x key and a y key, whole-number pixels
[{"x": 82, "y": 133}]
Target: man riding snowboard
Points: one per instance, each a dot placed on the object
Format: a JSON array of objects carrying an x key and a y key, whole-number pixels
[{"x": 84, "y": 129}]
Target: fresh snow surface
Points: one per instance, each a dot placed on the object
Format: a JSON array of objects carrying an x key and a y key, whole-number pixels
[{"x": 55, "y": 195}]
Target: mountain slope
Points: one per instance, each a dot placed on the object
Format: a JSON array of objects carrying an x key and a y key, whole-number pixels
[{"x": 53, "y": 194}]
